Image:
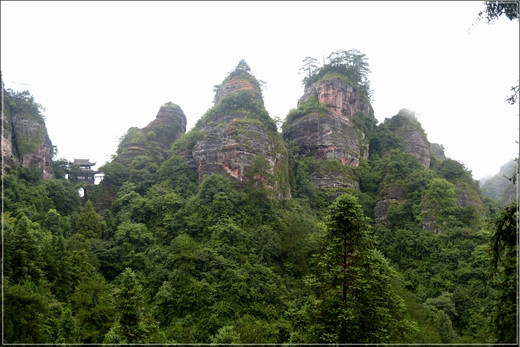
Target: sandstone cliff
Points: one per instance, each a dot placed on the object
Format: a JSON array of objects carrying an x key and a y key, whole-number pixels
[
  {"x": 326, "y": 125},
  {"x": 237, "y": 138},
  {"x": 25, "y": 141},
  {"x": 157, "y": 137}
]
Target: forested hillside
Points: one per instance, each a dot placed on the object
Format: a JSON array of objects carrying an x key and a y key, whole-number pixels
[{"x": 335, "y": 229}]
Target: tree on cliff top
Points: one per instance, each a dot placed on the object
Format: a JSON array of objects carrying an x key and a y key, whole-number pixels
[
  {"x": 242, "y": 66},
  {"x": 351, "y": 64}
]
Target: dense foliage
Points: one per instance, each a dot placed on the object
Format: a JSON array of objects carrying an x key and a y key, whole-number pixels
[
  {"x": 155, "y": 256},
  {"x": 495, "y": 9}
]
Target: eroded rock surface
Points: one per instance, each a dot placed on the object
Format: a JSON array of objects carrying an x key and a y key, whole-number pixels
[
  {"x": 330, "y": 134},
  {"x": 166, "y": 128},
  {"x": 392, "y": 194},
  {"x": 327, "y": 137},
  {"x": 241, "y": 141},
  {"x": 340, "y": 97},
  {"x": 25, "y": 142},
  {"x": 437, "y": 151}
]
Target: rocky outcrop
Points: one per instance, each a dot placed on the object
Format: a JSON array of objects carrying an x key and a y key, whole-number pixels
[
  {"x": 414, "y": 140},
  {"x": 323, "y": 127},
  {"x": 239, "y": 139},
  {"x": 157, "y": 137},
  {"x": 465, "y": 198},
  {"x": 340, "y": 97},
  {"x": 437, "y": 151},
  {"x": 332, "y": 180},
  {"x": 168, "y": 125},
  {"x": 327, "y": 137},
  {"x": 9, "y": 157},
  {"x": 234, "y": 86},
  {"x": 42, "y": 157},
  {"x": 392, "y": 194},
  {"x": 25, "y": 141}
]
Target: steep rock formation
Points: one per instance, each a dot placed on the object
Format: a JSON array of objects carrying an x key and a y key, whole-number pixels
[
  {"x": 234, "y": 86},
  {"x": 414, "y": 140},
  {"x": 28, "y": 131},
  {"x": 333, "y": 180},
  {"x": 236, "y": 137},
  {"x": 168, "y": 125},
  {"x": 464, "y": 199},
  {"x": 25, "y": 141},
  {"x": 340, "y": 97},
  {"x": 9, "y": 157},
  {"x": 157, "y": 137},
  {"x": 326, "y": 137},
  {"x": 437, "y": 151},
  {"x": 323, "y": 126}
]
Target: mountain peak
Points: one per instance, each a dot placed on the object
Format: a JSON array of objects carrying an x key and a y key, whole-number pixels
[{"x": 239, "y": 80}]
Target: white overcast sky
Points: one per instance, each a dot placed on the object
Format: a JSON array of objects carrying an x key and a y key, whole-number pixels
[{"x": 100, "y": 67}]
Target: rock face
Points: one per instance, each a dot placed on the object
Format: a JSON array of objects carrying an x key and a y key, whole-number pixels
[
  {"x": 42, "y": 157},
  {"x": 329, "y": 133},
  {"x": 464, "y": 199},
  {"x": 437, "y": 151},
  {"x": 239, "y": 139},
  {"x": 234, "y": 86},
  {"x": 331, "y": 180},
  {"x": 166, "y": 128},
  {"x": 25, "y": 141},
  {"x": 326, "y": 137},
  {"x": 10, "y": 160},
  {"x": 340, "y": 97},
  {"x": 414, "y": 140},
  {"x": 391, "y": 194},
  {"x": 168, "y": 125}
]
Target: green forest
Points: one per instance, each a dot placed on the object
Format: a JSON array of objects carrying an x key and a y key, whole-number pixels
[{"x": 157, "y": 253}]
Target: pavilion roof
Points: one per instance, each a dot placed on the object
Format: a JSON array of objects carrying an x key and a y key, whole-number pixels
[{"x": 83, "y": 162}]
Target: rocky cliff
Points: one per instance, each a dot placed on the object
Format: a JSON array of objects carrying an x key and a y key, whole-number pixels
[
  {"x": 157, "y": 137},
  {"x": 340, "y": 97},
  {"x": 237, "y": 138},
  {"x": 410, "y": 135},
  {"x": 417, "y": 173},
  {"x": 325, "y": 126},
  {"x": 437, "y": 151},
  {"x": 25, "y": 141}
]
